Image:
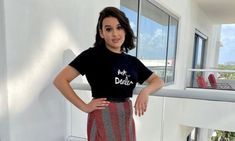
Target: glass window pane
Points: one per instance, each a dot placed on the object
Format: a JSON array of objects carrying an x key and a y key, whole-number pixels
[
  {"x": 198, "y": 59},
  {"x": 171, "y": 51},
  {"x": 199, "y": 54},
  {"x": 153, "y": 37},
  {"x": 226, "y": 51},
  {"x": 130, "y": 8}
]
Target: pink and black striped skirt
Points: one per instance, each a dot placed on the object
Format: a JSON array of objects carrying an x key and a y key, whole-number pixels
[{"x": 114, "y": 123}]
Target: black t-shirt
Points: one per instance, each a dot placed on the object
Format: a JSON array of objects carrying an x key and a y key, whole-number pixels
[{"x": 110, "y": 74}]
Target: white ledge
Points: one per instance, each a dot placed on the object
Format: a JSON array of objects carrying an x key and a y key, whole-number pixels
[
  {"x": 189, "y": 93},
  {"x": 212, "y": 70},
  {"x": 75, "y": 138}
]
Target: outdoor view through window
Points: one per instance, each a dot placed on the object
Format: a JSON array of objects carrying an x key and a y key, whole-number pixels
[
  {"x": 226, "y": 56},
  {"x": 227, "y": 50}
]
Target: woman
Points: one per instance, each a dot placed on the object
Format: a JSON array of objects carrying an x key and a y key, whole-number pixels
[{"x": 112, "y": 75}]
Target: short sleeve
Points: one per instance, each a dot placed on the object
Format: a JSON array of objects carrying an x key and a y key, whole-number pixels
[
  {"x": 80, "y": 63},
  {"x": 143, "y": 72}
]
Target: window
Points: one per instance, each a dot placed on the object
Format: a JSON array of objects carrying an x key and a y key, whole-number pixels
[
  {"x": 156, "y": 32},
  {"x": 171, "y": 50},
  {"x": 198, "y": 57},
  {"x": 226, "y": 59},
  {"x": 130, "y": 8},
  {"x": 199, "y": 52},
  {"x": 226, "y": 52}
]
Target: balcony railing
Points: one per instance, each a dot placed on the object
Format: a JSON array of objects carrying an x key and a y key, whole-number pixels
[
  {"x": 211, "y": 79},
  {"x": 227, "y": 96}
]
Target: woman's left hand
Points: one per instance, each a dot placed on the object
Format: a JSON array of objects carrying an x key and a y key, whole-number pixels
[{"x": 141, "y": 103}]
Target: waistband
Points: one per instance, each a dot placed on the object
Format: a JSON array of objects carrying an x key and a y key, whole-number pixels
[{"x": 111, "y": 99}]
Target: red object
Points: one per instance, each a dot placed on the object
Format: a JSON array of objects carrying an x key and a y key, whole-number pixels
[
  {"x": 114, "y": 123},
  {"x": 201, "y": 82},
  {"x": 212, "y": 81}
]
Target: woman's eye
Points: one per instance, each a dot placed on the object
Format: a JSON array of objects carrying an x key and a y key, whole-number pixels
[
  {"x": 108, "y": 29},
  {"x": 119, "y": 27}
]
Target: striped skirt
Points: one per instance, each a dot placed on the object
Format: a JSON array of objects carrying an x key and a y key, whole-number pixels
[{"x": 114, "y": 123}]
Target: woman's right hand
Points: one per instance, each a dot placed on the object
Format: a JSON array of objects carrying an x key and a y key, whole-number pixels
[{"x": 96, "y": 104}]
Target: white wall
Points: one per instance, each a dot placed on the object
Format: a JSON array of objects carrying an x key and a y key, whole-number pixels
[
  {"x": 4, "y": 118},
  {"x": 209, "y": 114},
  {"x": 37, "y": 33},
  {"x": 200, "y": 22},
  {"x": 149, "y": 126}
]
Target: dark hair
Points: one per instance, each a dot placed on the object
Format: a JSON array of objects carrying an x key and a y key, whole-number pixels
[{"x": 123, "y": 20}]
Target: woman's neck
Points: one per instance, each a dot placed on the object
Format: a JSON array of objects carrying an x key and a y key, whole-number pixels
[{"x": 118, "y": 50}]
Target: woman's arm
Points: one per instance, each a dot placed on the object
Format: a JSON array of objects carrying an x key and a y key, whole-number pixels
[
  {"x": 62, "y": 83},
  {"x": 154, "y": 84}
]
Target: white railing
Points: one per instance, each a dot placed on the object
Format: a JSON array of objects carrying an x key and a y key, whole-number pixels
[
  {"x": 189, "y": 93},
  {"x": 211, "y": 70}
]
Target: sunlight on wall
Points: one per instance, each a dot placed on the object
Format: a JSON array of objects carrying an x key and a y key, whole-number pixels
[{"x": 34, "y": 77}]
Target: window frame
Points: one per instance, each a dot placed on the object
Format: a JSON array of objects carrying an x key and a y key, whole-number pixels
[{"x": 170, "y": 16}]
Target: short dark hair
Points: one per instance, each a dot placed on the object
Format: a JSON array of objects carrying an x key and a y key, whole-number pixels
[{"x": 123, "y": 20}]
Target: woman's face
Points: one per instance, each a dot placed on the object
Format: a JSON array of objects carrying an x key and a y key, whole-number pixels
[{"x": 113, "y": 34}]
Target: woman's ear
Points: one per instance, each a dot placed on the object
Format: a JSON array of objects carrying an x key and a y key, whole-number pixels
[{"x": 101, "y": 33}]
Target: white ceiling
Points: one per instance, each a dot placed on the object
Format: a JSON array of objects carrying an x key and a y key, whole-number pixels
[{"x": 220, "y": 11}]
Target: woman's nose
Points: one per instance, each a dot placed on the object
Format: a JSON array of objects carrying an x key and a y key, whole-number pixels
[{"x": 115, "y": 32}]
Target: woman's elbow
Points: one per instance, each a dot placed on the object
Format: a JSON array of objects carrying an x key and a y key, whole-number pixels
[
  {"x": 56, "y": 82},
  {"x": 161, "y": 83}
]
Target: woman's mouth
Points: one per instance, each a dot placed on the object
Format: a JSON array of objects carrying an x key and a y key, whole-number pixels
[{"x": 115, "y": 40}]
